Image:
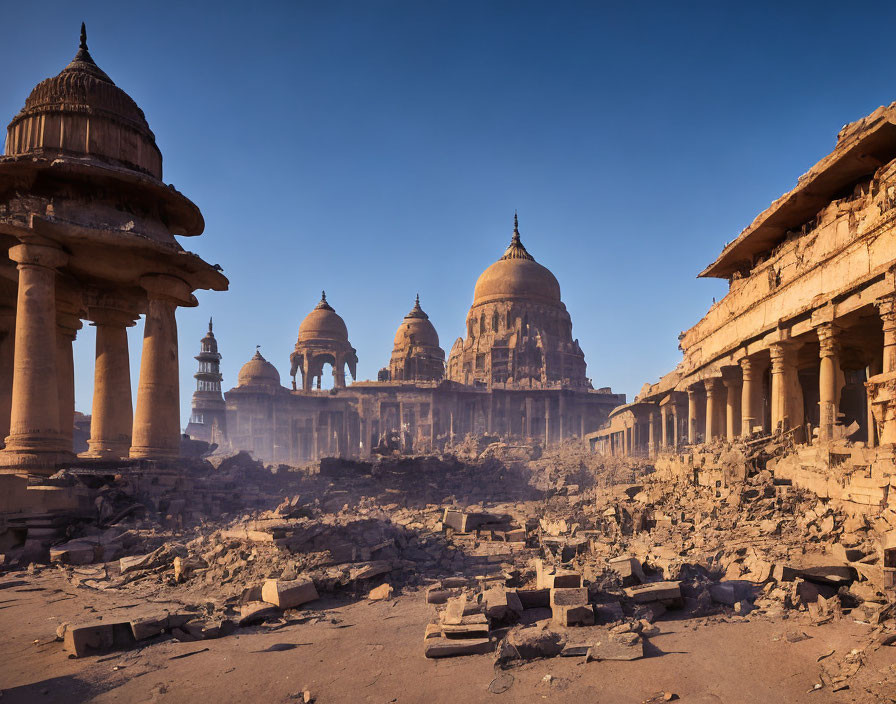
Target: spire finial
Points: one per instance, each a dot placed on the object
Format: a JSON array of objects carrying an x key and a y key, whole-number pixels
[
  {"x": 323, "y": 296},
  {"x": 209, "y": 324},
  {"x": 83, "y": 44},
  {"x": 417, "y": 300},
  {"x": 516, "y": 223}
]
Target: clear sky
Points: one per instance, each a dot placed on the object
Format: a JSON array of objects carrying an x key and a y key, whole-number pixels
[{"x": 377, "y": 149}]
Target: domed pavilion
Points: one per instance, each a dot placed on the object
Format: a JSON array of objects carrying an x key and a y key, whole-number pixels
[
  {"x": 323, "y": 339},
  {"x": 89, "y": 227}
]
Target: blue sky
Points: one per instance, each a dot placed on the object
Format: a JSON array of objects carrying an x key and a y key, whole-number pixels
[{"x": 377, "y": 149}]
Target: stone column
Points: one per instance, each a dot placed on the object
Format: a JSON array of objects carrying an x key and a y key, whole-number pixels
[
  {"x": 7, "y": 361},
  {"x": 733, "y": 423},
  {"x": 67, "y": 328},
  {"x": 651, "y": 434},
  {"x": 157, "y": 414},
  {"x": 664, "y": 419},
  {"x": 529, "y": 413},
  {"x": 339, "y": 373},
  {"x": 887, "y": 309},
  {"x": 35, "y": 443},
  {"x": 786, "y": 393},
  {"x": 675, "y": 426},
  {"x": 712, "y": 397},
  {"x": 112, "y": 417},
  {"x": 749, "y": 404},
  {"x": 692, "y": 416},
  {"x": 827, "y": 380}
]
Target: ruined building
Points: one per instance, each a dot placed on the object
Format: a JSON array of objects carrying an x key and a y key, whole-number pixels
[
  {"x": 804, "y": 342},
  {"x": 89, "y": 230},
  {"x": 518, "y": 374}
]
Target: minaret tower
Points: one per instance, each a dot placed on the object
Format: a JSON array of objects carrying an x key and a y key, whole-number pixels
[{"x": 207, "y": 421}]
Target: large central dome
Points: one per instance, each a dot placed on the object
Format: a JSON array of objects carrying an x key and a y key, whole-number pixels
[{"x": 516, "y": 276}]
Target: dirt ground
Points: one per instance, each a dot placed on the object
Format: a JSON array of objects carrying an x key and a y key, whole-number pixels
[{"x": 372, "y": 652}]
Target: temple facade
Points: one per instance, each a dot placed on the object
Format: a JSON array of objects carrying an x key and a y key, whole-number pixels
[
  {"x": 518, "y": 374},
  {"x": 804, "y": 342},
  {"x": 88, "y": 228}
]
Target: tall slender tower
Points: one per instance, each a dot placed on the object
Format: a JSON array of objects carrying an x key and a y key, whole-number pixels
[{"x": 208, "y": 419}]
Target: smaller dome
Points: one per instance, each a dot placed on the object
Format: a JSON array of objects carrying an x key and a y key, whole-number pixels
[
  {"x": 258, "y": 372},
  {"x": 323, "y": 323},
  {"x": 416, "y": 326}
]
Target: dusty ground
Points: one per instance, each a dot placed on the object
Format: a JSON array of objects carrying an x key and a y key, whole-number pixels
[{"x": 372, "y": 652}]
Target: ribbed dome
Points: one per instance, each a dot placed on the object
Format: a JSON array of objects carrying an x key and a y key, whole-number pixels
[
  {"x": 323, "y": 323},
  {"x": 82, "y": 112},
  {"x": 258, "y": 372},
  {"x": 516, "y": 275},
  {"x": 416, "y": 325}
]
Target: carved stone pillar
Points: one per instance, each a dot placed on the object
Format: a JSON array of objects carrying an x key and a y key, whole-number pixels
[
  {"x": 713, "y": 428},
  {"x": 887, "y": 309},
  {"x": 664, "y": 420},
  {"x": 829, "y": 363},
  {"x": 112, "y": 418},
  {"x": 651, "y": 433},
  {"x": 67, "y": 328},
  {"x": 675, "y": 426},
  {"x": 339, "y": 373},
  {"x": 157, "y": 414},
  {"x": 882, "y": 387},
  {"x": 733, "y": 394},
  {"x": 749, "y": 397},
  {"x": 7, "y": 360},
  {"x": 787, "y": 406},
  {"x": 35, "y": 443},
  {"x": 692, "y": 416}
]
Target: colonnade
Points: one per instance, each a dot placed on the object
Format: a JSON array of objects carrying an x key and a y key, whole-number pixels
[{"x": 39, "y": 392}]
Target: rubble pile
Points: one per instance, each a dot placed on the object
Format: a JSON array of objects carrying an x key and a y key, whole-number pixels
[{"x": 550, "y": 556}]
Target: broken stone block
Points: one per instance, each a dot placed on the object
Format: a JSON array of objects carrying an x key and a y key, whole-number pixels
[
  {"x": 530, "y": 643},
  {"x": 384, "y": 591},
  {"x": 622, "y": 646},
  {"x": 569, "y": 597},
  {"x": 654, "y": 591},
  {"x": 731, "y": 592},
  {"x": 547, "y": 577},
  {"x": 73, "y": 553},
  {"x": 501, "y": 604},
  {"x": 609, "y": 612},
  {"x": 435, "y": 645},
  {"x": 784, "y": 573},
  {"x": 86, "y": 639},
  {"x": 534, "y": 598},
  {"x": 629, "y": 569},
  {"x": 256, "y": 612},
  {"x": 573, "y": 615},
  {"x": 454, "y": 610},
  {"x": 569, "y": 607},
  {"x": 288, "y": 594},
  {"x": 472, "y": 626}
]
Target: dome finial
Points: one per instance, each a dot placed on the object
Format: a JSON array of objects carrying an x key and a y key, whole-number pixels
[
  {"x": 83, "y": 44},
  {"x": 323, "y": 296},
  {"x": 417, "y": 300},
  {"x": 209, "y": 324},
  {"x": 516, "y": 250},
  {"x": 516, "y": 223}
]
